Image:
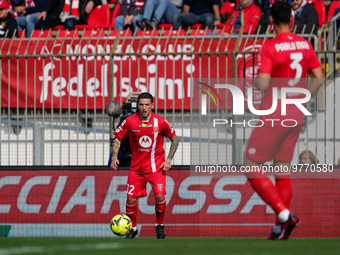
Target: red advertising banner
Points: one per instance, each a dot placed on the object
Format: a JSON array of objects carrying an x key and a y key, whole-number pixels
[
  {"x": 51, "y": 200},
  {"x": 67, "y": 80}
]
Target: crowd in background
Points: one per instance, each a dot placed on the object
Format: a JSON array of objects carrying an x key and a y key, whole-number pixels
[{"x": 232, "y": 16}]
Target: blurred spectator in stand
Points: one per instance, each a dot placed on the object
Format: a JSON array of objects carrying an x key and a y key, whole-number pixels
[
  {"x": 27, "y": 12},
  {"x": 62, "y": 12},
  {"x": 265, "y": 22},
  {"x": 246, "y": 15},
  {"x": 8, "y": 24},
  {"x": 161, "y": 11},
  {"x": 306, "y": 17},
  {"x": 206, "y": 12},
  {"x": 307, "y": 157},
  {"x": 132, "y": 11}
]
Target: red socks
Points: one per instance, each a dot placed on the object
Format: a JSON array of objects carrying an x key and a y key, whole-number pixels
[
  {"x": 285, "y": 189},
  {"x": 131, "y": 211},
  {"x": 160, "y": 211},
  {"x": 268, "y": 192}
]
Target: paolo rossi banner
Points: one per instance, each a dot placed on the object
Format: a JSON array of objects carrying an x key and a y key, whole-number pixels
[
  {"x": 65, "y": 80},
  {"x": 82, "y": 203}
]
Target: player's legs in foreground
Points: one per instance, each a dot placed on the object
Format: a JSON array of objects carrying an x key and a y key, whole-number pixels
[
  {"x": 269, "y": 193},
  {"x": 131, "y": 211},
  {"x": 160, "y": 212},
  {"x": 283, "y": 185}
]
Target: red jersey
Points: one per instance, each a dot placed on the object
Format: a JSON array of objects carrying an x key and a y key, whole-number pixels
[
  {"x": 146, "y": 141},
  {"x": 288, "y": 57}
]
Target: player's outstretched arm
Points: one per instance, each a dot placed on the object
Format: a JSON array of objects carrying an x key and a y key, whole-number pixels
[
  {"x": 115, "y": 149},
  {"x": 317, "y": 80},
  {"x": 166, "y": 165}
]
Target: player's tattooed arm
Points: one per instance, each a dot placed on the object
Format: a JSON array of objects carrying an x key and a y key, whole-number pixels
[
  {"x": 115, "y": 149},
  {"x": 173, "y": 147},
  {"x": 166, "y": 165}
]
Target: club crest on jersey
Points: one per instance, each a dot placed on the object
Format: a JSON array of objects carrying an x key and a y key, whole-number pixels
[
  {"x": 160, "y": 187},
  {"x": 156, "y": 129},
  {"x": 145, "y": 125},
  {"x": 145, "y": 141}
]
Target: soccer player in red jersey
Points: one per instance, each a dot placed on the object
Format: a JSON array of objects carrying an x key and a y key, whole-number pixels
[
  {"x": 284, "y": 62},
  {"x": 146, "y": 131}
]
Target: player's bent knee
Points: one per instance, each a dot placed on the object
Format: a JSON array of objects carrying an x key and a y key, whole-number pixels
[
  {"x": 131, "y": 200},
  {"x": 159, "y": 197}
]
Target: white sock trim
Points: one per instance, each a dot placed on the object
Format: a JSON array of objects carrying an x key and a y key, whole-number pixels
[{"x": 283, "y": 215}]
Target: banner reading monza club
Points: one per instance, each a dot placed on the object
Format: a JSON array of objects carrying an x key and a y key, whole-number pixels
[
  {"x": 82, "y": 203},
  {"x": 66, "y": 80}
]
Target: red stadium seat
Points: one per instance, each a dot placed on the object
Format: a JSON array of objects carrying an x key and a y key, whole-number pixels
[
  {"x": 21, "y": 34},
  {"x": 321, "y": 9},
  {"x": 147, "y": 33},
  {"x": 98, "y": 18},
  {"x": 200, "y": 32},
  {"x": 165, "y": 26},
  {"x": 174, "y": 33},
  {"x": 94, "y": 33},
  {"x": 42, "y": 34},
  {"x": 123, "y": 33},
  {"x": 115, "y": 13},
  {"x": 198, "y": 25},
  {"x": 331, "y": 11},
  {"x": 68, "y": 34}
]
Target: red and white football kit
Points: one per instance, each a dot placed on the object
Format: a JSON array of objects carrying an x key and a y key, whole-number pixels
[
  {"x": 147, "y": 146},
  {"x": 287, "y": 58}
]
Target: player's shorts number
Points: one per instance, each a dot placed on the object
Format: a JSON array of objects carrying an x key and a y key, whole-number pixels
[
  {"x": 295, "y": 65},
  {"x": 130, "y": 188}
]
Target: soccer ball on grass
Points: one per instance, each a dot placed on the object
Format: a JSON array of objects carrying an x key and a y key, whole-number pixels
[{"x": 121, "y": 224}]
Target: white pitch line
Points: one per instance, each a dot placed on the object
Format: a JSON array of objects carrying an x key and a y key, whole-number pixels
[{"x": 51, "y": 249}]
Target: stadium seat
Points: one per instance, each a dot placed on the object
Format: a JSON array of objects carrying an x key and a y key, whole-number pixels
[
  {"x": 165, "y": 26},
  {"x": 174, "y": 33},
  {"x": 68, "y": 34},
  {"x": 42, "y": 34},
  {"x": 321, "y": 9},
  {"x": 122, "y": 33},
  {"x": 198, "y": 25},
  {"x": 116, "y": 12},
  {"x": 94, "y": 33},
  {"x": 200, "y": 32},
  {"x": 147, "y": 33},
  {"x": 331, "y": 11},
  {"x": 21, "y": 34},
  {"x": 98, "y": 18}
]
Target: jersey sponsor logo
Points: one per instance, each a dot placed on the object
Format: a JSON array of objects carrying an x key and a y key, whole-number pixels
[
  {"x": 135, "y": 130},
  {"x": 145, "y": 125},
  {"x": 145, "y": 141}
]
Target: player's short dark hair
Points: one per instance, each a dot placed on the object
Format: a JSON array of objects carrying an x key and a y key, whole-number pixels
[
  {"x": 281, "y": 12},
  {"x": 145, "y": 95}
]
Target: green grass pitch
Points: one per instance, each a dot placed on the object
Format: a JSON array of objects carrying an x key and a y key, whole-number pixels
[{"x": 170, "y": 245}]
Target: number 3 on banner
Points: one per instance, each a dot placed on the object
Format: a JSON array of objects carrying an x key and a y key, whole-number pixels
[{"x": 295, "y": 65}]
